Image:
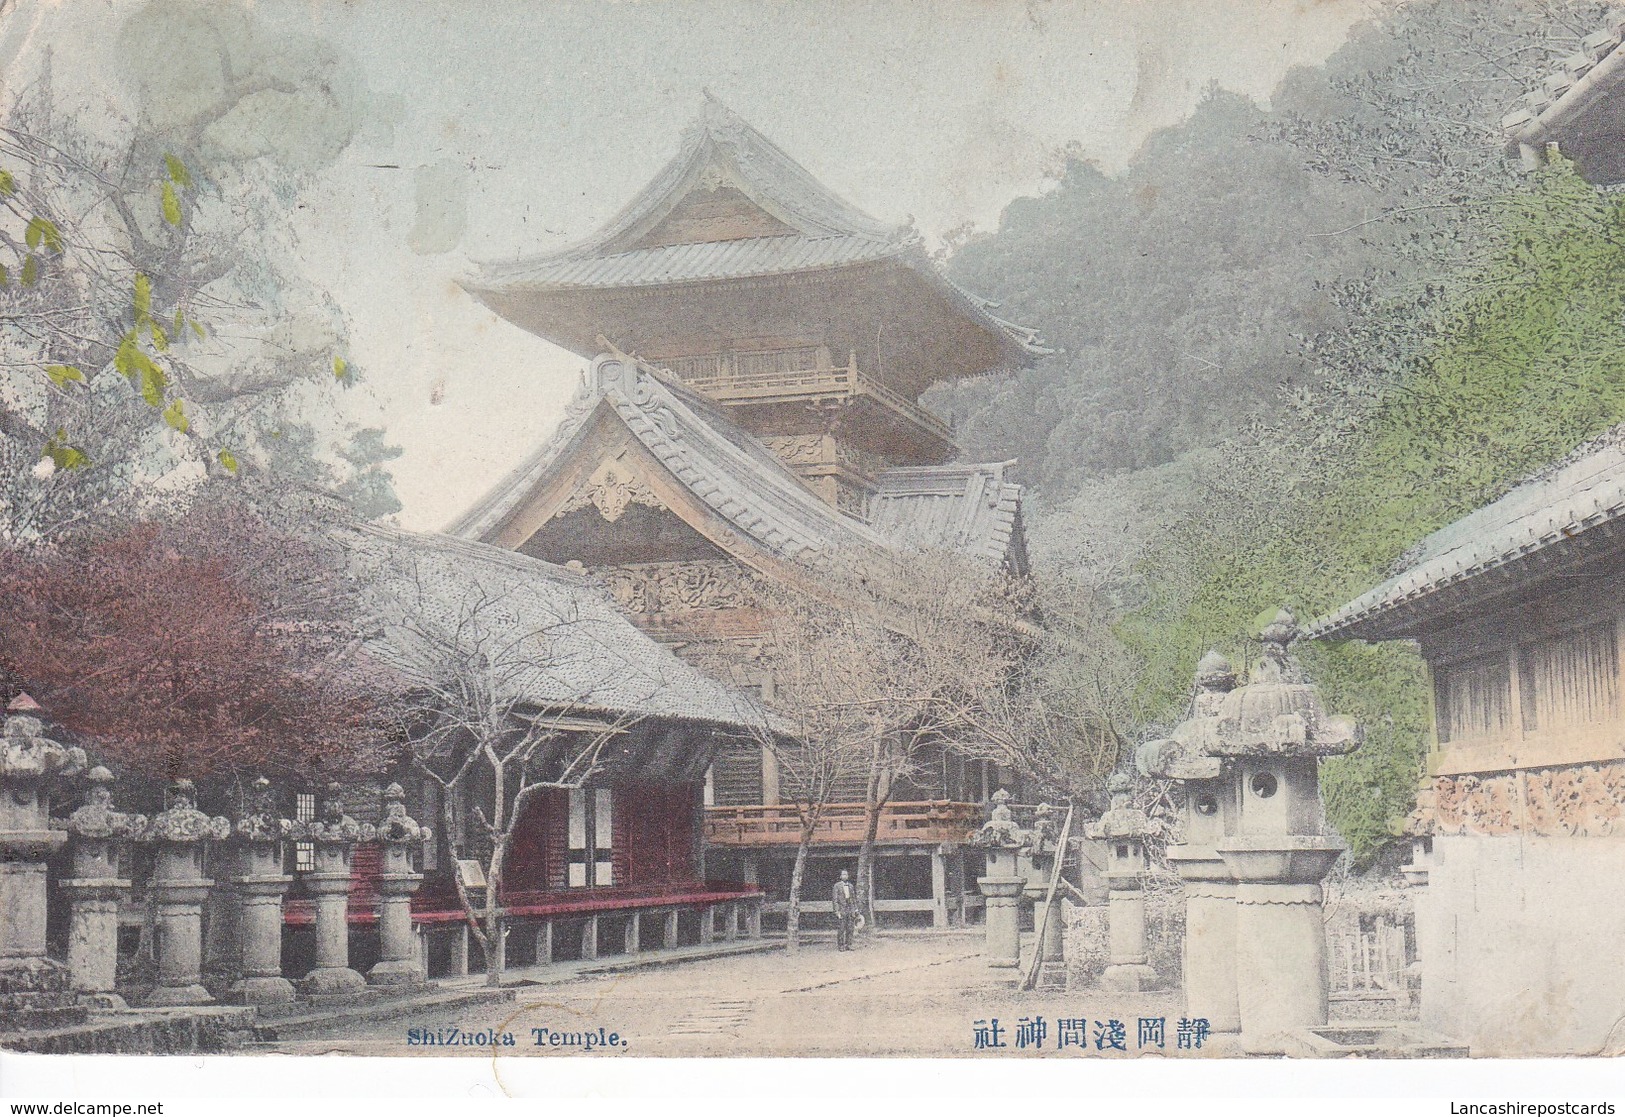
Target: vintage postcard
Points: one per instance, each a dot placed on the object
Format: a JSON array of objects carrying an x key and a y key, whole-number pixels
[{"x": 1045, "y": 530}]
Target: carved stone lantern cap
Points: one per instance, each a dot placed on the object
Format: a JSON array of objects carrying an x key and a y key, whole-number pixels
[
  {"x": 1279, "y": 712},
  {"x": 28, "y": 756},
  {"x": 97, "y": 819},
  {"x": 1213, "y": 672},
  {"x": 334, "y": 827},
  {"x": 398, "y": 828},
  {"x": 182, "y": 821},
  {"x": 1122, "y": 820},
  {"x": 1000, "y": 830},
  {"x": 258, "y": 821}
]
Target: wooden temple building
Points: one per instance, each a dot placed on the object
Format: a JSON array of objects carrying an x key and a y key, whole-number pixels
[
  {"x": 614, "y": 865},
  {"x": 759, "y": 348},
  {"x": 1519, "y": 611}
]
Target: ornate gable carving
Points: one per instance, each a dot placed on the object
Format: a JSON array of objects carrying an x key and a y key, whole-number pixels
[{"x": 611, "y": 488}]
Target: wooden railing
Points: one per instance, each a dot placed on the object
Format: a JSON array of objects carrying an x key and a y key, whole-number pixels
[
  {"x": 734, "y": 384},
  {"x": 842, "y": 822}
]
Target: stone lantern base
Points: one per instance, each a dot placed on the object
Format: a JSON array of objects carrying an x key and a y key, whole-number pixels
[{"x": 38, "y": 993}]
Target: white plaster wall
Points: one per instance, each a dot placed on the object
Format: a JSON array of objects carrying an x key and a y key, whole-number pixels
[{"x": 1522, "y": 941}]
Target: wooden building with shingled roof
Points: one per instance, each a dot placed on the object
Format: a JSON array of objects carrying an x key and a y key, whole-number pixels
[{"x": 759, "y": 348}]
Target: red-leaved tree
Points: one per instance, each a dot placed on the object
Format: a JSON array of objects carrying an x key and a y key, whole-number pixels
[{"x": 218, "y": 641}]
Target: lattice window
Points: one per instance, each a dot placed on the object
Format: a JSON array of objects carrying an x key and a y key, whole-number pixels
[
  {"x": 591, "y": 832},
  {"x": 304, "y": 853},
  {"x": 1568, "y": 680}
]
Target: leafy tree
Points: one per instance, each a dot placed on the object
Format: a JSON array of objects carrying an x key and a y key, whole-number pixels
[
  {"x": 214, "y": 642},
  {"x": 1298, "y": 339},
  {"x": 154, "y": 325}
]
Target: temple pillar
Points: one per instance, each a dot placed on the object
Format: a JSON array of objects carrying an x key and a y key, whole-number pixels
[
  {"x": 398, "y": 962},
  {"x": 95, "y": 890},
  {"x": 335, "y": 836},
  {"x": 33, "y": 987},
  {"x": 589, "y": 939},
  {"x": 179, "y": 889},
  {"x": 669, "y": 939},
  {"x": 632, "y": 937},
  {"x": 939, "y": 889}
]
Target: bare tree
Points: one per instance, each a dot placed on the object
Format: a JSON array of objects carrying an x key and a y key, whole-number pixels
[
  {"x": 879, "y": 657},
  {"x": 816, "y": 653},
  {"x": 503, "y": 711}
]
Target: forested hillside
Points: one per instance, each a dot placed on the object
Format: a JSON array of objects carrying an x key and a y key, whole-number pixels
[{"x": 1294, "y": 341}]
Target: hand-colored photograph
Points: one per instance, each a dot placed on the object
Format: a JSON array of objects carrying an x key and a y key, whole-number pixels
[{"x": 1064, "y": 530}]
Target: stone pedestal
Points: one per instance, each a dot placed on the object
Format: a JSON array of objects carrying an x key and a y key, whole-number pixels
[
  {"x": 96, "y": 890},
  {"x": 34, "y": 990},
  {"x": 1209, "y": 957},
  {"x": 1127, "y": 968},
  {"x": 258, "y": 886},
  {"x": 179, "y": 889},
  {"x": 1280, "y": 939},
  {"x": 1003, "y": 919},
  {"x": 329, "y": 888},
  {"x": 398, "y": 962},
  {"x": 335, "y": 836}
]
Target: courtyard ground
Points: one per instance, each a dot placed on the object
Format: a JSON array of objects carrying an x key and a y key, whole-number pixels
[{"x": 913, "y": 995}]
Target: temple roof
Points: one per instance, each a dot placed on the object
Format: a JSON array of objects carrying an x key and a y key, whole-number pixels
[
  {"x": 968, "y": 508},
  {"x": 1549, "y": 519},
  {"x": 780, "y": 221},
  {"x": 587, "y": 659},
  {"x": 1580, "y": 106}
]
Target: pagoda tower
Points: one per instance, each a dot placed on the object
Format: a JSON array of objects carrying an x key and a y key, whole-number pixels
[{"x": 815, "y": 327}]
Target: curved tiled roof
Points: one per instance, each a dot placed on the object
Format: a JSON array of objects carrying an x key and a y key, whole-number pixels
[
  {"x": 973, "y": 509},
  {"x": 1580, "y": 105},
  {"x": 824, "y": 232},
  {"x": 1556, "y": 508},
  {"x": 569, "y": 648},
  {"x": 967, "y": 508},
  {"x": 686, "y": 263}
]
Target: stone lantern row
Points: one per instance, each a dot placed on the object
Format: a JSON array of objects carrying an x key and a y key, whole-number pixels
[
  {"x": 1256, "y": 848},
  {"x": 1020, "y": 864},
  {"x": 250, "y": 852}
]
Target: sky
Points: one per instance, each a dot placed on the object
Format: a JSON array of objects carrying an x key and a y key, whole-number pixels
[{"x": 473, "y": 131}]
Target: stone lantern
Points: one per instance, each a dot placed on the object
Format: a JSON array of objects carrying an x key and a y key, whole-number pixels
[
  {"x": 96, "y": 889},
  {"x": 179, "y": 889},
  {"x": 399, "y": 833},
  {"x": 257, "y": 850},
  {"x": 1002, "y": 840},
  {"x": 1210, "y": 815},
  {"x": 1269, "y": 737},
  {"x": 33, "y": 988},
  {"x": 335, "y": 836},
  {"x": 1036, "y": 863},
  {"x": 1123, "y": 829}
]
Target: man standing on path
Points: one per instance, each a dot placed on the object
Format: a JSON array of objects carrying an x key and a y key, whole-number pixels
[{"x": 845, "y": 899}]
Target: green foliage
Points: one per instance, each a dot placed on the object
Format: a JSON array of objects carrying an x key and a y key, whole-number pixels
[
  {"x": 62, "y": 375},
  {"x": 1529, "y": 362},
  {"x": 64, "y": 455}
]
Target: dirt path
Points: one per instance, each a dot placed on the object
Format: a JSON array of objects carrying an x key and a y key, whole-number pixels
[{"x": 917, "y": 996}]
